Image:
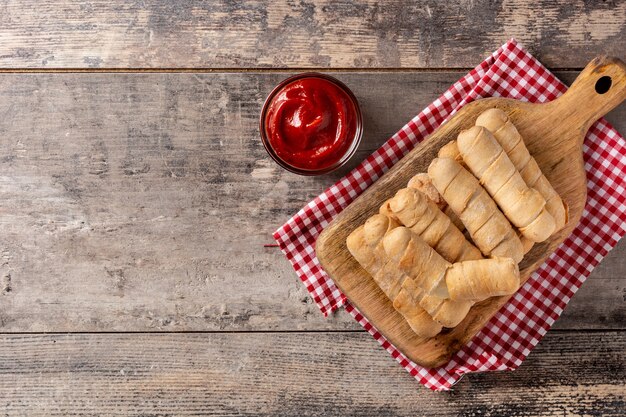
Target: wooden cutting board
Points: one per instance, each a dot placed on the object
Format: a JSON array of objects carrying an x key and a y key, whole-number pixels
[{"x": 554, "y": 134}]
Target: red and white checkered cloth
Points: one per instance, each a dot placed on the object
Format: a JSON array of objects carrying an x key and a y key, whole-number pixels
[{"x": 511, "y": 334}]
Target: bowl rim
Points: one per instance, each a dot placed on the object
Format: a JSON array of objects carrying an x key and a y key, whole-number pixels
[{"x": 356, "y": 141}]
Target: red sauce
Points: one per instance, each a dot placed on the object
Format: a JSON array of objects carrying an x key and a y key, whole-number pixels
[{"x": 311, "y": 123}]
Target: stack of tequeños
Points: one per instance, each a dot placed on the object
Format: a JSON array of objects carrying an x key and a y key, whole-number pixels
[{"x": 455, "y": 236}]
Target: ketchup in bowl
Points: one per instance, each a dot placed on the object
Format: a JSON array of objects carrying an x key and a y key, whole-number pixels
[{"x": 311, "y": 124}]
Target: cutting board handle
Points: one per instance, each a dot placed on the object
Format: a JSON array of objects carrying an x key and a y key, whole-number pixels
[{"x": 598, "y": 89}]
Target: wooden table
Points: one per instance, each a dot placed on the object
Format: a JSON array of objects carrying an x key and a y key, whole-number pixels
[{"x": 137, "y": 197}]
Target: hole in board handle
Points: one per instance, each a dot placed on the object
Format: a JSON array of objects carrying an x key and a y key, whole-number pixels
[{"x": 603, "y": 84}]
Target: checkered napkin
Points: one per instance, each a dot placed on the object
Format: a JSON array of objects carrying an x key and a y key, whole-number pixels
[{"x": 511, "y": 334}]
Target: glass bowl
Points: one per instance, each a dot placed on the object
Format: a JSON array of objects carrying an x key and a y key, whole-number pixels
[{"x": 355, "y": 141}]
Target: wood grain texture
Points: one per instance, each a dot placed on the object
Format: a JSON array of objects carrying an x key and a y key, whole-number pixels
[
  {"x": 320, "y": 34},
  {"x": 553, "y": 133},
  {"x": 305, "y": 374},
  {"x": 138, "y": 202}
]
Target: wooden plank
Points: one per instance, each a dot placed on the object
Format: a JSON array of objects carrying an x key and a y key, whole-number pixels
[
  {"x": 140, "y": 202},
  {"x": 319, "y": 34},
  {"x": 275, "y": 374}
]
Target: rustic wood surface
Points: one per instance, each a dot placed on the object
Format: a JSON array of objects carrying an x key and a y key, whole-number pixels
[
  {"x": 111, "y": 223},
  {"x": 133, "y": 203},
  {"x": 141, "y": 202},
  {"x": 550, "y": 144},
  {"x": 278, "y": 374},
  {"x": 320, "y": 34}
]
